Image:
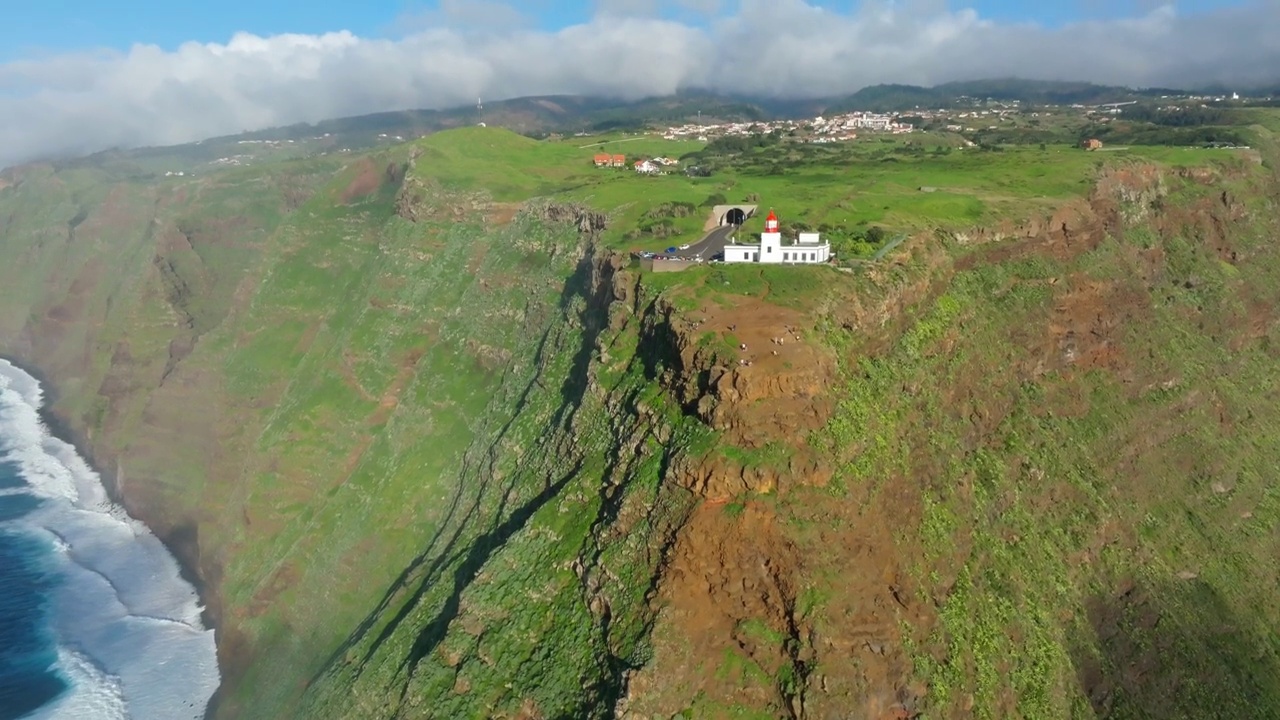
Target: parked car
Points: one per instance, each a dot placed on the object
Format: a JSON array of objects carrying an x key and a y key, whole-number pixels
[{"x": 684, "y": 246}]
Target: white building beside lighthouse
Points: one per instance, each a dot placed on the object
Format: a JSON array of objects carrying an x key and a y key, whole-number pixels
[{"x": 808, "y": 249}]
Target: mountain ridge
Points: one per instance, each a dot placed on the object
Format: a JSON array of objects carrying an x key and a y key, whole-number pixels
[{"x": 566, "y": 114}]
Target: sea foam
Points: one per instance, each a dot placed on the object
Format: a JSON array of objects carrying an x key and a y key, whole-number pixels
[{"x": 131, "y": 641}]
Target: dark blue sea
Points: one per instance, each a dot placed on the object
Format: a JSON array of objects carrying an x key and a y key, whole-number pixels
[
  {"x": 96, "y": 622},
  {"x": 28, "y": 649}
]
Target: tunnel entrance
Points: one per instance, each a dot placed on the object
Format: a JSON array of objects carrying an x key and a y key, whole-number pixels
[{"x": 734, "y": 215}]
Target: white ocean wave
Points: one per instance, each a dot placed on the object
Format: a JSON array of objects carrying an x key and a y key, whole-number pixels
[
  {"x": 93, "y": 695},
  {"x": 134, "y": 623},
  {"x": 27, "y": 387}
]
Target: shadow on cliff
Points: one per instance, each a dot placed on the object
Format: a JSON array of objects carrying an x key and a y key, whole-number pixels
[
  {"x": 453, "y": 544},
  {"x": 1176, "y": 651}
]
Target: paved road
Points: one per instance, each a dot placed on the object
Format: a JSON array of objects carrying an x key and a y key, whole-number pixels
[
  {"x": 889, "y": 246},
  {"x": 711, "y": 244}
]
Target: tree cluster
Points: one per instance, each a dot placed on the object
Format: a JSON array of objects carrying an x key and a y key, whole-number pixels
[
  {"x": 1148, "y": 134},
  {"x": 737, "y": 144},
  {"x": 1180, "y": 116},
  {"x": 845, "y": 242},
  {"x": 673, "y": 209}
]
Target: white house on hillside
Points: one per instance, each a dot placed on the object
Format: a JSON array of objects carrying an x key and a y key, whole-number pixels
[{"x": 808, "y": 248}]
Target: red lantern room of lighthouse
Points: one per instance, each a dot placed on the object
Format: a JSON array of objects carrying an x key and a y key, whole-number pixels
[{"x": 771, "y": 223}]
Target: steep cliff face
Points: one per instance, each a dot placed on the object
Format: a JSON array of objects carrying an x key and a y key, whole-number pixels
[
  {"x": 987, "y": 478},
  {"x": 531, "y": 596},
  {"x": 436, "y": 456},
  {"x": 376, "y": 425},
  {"x": 800, "y": 438}
]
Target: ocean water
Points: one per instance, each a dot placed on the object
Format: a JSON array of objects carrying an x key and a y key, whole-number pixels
[{"x": 96, "y": 623}]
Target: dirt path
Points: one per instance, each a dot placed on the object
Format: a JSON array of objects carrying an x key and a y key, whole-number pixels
[{"x": 610, "y": 142}]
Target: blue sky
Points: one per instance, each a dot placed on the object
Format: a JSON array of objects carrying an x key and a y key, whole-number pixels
[{"x": 53, "y": 26}]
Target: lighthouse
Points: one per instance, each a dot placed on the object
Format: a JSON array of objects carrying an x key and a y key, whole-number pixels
[
  {"x": 808, "y": 248},
  {"x": 771, "y": 240}
]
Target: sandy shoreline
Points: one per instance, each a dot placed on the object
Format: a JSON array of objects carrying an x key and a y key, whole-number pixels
[{"x": 62, "y": 429}]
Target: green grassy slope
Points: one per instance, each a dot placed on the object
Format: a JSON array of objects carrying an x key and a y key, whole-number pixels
[
  {"x": 475, "y": 373},
  {"x": 352, "y": 419},
  {"x": 1095, "y": 527}
]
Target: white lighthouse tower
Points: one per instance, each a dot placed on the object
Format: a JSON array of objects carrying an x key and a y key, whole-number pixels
[{"x": 771, "y": 240}]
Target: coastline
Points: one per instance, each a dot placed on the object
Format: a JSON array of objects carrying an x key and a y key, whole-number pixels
[{"x": 186, "y": 557}]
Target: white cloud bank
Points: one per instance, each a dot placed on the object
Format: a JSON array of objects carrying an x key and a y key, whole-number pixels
[{"x": 82, "y": 102}]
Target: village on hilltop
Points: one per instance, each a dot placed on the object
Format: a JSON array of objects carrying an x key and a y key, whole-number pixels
[
  {"x": 819, "y": 129},
  {"x": 968, "y": 116}
]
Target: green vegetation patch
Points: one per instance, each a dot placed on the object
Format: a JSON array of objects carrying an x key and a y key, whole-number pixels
[
  {"x": 859, "y": 194},
  {"x": 1090, "y": 534}
]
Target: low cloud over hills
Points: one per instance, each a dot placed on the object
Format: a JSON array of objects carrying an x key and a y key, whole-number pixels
[{"x": 82, "y": 102}]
